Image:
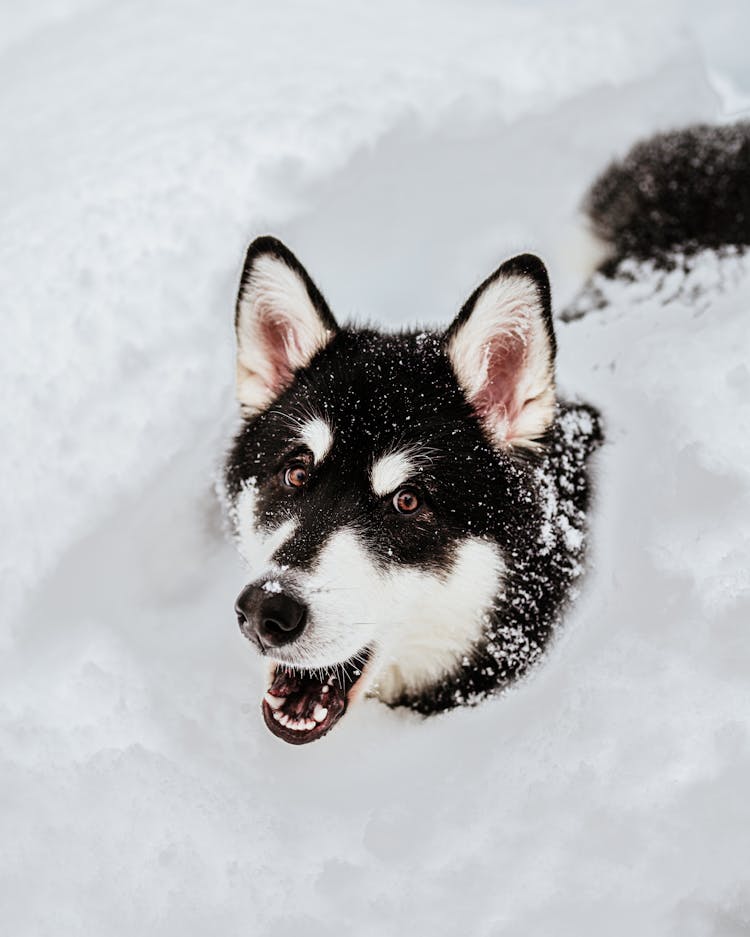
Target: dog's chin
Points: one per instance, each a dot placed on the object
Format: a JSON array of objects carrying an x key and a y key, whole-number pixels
[{"x": 303, "y": 705}]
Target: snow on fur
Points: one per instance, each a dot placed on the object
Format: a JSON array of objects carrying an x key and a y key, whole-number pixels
[{"x": 143, "y": 148}]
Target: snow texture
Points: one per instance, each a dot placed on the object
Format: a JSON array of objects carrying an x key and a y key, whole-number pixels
[{"x": 401, "y": 150}]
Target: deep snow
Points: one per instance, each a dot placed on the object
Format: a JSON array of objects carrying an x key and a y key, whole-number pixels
[{"x": 402, "y": 152}]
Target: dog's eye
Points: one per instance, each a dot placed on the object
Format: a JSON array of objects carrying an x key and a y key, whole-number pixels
[
  {"x": 406, "y": 501},
  {"x": 295, "y": 476}
]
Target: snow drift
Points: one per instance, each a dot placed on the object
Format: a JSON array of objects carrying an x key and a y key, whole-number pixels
[{"x": 401, "y": 151}]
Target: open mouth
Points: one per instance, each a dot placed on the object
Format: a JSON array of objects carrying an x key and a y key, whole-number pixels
[{"x": 302, "y": 705}]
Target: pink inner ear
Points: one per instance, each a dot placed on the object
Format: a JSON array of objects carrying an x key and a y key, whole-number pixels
[
  {"x": 497, "y": 400},
  {"x": 279, "y": 342}
]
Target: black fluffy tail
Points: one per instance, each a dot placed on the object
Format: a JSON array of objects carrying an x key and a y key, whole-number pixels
[{"x": 678, "y": 192}]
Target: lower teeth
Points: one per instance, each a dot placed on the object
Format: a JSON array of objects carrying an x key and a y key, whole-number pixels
[
  {"x": 319, "y": 713},
  {"x": 302, "y": 725},
  {"x": 293, "y": 693}
]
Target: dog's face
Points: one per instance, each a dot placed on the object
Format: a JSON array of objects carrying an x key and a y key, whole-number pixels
[{"x": 372, "y": 481}]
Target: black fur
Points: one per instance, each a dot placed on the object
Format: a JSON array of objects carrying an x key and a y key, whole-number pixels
[
  {"x": 682, "y": 191},
  {"x": 675, "y": 194},
  {"x": 380, "y": 390}
]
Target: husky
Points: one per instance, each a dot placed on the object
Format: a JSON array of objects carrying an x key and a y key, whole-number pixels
[{"x": 412, "y": 507}]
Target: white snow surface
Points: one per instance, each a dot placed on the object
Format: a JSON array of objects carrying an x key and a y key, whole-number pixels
[{"x": 402, "y": 150}]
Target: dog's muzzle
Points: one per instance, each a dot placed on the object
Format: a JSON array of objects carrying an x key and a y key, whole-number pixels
[{"x": 269, "y": 619}]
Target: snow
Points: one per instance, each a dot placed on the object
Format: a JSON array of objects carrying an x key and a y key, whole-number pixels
[
  {"x": 402, "y": 150},
  {"x": 271, "y": 586}
]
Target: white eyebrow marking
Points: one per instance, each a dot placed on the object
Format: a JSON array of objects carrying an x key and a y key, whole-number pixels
[
  {"x": 317, "y": 435},
  {"x": 391, "y": 470}
]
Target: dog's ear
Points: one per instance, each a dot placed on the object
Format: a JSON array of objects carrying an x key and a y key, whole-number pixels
[
  {"x": 502, "y": 349},
  {"x": 282, "y": 321}
]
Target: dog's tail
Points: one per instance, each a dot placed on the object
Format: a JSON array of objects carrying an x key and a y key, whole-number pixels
[{"x": 677, "y": 192}]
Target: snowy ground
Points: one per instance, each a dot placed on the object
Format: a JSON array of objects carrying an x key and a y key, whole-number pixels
[{"x": 402, "y": 152}]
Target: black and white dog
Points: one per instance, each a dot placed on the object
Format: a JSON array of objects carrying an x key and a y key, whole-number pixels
[{"x": 412, "y": 506}]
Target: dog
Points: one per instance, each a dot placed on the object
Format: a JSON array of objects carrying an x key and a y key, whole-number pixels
[{"x": 413, "y": 506}]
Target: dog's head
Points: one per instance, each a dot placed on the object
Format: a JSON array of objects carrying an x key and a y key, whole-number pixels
[{"x": 373, "y": 480}]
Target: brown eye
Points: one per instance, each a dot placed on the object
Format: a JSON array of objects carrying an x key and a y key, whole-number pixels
[
  {"x": 406, "y": 501},
  {"x": 295, "y": 476}
]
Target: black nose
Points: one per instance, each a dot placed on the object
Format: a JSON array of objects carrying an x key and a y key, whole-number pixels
[{"x": 270, "y": 619}]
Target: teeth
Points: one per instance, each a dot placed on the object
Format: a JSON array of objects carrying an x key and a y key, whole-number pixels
[
  {"x": 303, "y": 725},
  {"x": 298, "y": 725},
  {"x": 275, "y": 702}
]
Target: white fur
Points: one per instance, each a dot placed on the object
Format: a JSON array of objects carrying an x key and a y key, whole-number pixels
[
  {"x": 276, "y": 292},
  {"x": 390, "y": 471},
  {"x": 420, "y": 624},
  {"x": 581, "y": 249},
  {"x": 508, "y": 306},
  {"x": 317, "y": 435},
  {"x": 436, "y": 621},
  {"x": 258, "y": 547}
]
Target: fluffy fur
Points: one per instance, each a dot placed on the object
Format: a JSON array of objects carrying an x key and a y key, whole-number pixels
[
  {"x": 317, "y": 435},
  {"x": 455, "y": 600},
  {"x": 415, "y": 503},
  {"x": 278, "y": 323},
  {"x": 675, "y": 194},
  {"x": 394, "y": 469},
  {"x": 502, "y": 349}
]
